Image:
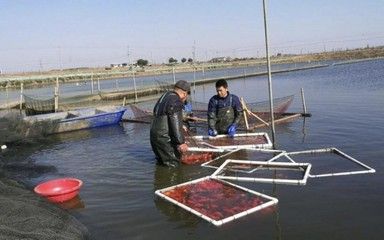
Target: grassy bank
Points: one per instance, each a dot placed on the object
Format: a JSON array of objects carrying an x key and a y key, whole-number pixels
[{"x": 37, "y": 79}]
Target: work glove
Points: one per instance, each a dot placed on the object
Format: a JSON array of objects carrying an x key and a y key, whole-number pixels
[
  {"x": 212, "y": 132},
  {"x": 232, "y": 130},
  {"x": 188, "y": 108}
]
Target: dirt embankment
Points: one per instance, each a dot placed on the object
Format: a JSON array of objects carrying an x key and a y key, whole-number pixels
[{"x": 37, "y": 79}]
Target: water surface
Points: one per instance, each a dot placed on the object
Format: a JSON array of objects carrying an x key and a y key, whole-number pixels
[{"x": 120, "y": 176}]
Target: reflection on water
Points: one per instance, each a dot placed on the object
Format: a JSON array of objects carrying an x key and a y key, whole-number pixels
[{"x": 74, "y": 203}]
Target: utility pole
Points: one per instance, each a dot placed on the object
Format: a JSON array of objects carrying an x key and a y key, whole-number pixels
[
  {"x": 41, "y": 65},
  {"x": 194, "y": 51},
  {"x": 60, "y": 60},
  {"x": 128, "y": 56}
]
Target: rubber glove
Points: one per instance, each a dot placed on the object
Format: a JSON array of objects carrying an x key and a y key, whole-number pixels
[
  {"x": 188, "y": 108},
  {"x": 232, "y": 130},
  {"x": 212, "y": 132}
]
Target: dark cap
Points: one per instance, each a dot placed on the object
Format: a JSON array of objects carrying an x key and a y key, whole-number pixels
[{"x": 183, "y": 85}]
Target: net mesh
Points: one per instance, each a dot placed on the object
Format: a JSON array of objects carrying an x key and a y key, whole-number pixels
[
  {"x": 280, "y": 105},
  {"x": 34, "y": 105},
  {"x": 142, "y": 114}
]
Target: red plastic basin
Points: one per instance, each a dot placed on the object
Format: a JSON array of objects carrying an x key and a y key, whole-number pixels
[{"x": 59, "y": 190}]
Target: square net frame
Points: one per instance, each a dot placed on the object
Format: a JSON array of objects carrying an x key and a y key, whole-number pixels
[
  {"x": 367, "y": 169},
  {"x": 267, "y": 200},
  {"x": 303, "y": 167},
  {"x": 278, "y": 154},
  {"x": 235, "y": 142}
]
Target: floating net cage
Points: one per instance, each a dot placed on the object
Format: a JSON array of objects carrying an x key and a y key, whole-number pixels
[
  {"x": 280, "y": 105},
  {"x": 239, "y": 141},
  {"x": 215, "y": 200},
  {"x": 267, "y": 155},
  {"x": 196, "y": 155},
  {"x": 325, "y": 159},
  {"x": 34, "y": 105},
  {"x": 134, "y": 113},
  {"x": 202, "y": 149},
  {"x": 264, "y": 172}
]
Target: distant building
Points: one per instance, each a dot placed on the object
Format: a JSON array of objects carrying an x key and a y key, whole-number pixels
[{"x": 220, "y": 59}]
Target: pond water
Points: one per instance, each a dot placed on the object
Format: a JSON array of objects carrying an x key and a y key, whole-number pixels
[{"x": 120, "y": 176}]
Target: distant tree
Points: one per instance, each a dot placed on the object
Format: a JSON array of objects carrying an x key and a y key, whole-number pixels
[
  {"x": 172, "y": 60},
  {"x": 183, "y": 60},
  {"x": 190, "y": 60},
  {"x": 142, "y": 62}
]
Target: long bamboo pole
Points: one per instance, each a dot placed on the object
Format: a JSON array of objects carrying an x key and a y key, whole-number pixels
[
  {"x": 245, "y": 112},
  {"x": 269, "y": 73},
  {"x": 21, "y": 96}
]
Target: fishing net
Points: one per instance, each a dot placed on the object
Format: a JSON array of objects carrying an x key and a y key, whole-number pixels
[
  {"x": 254, "y": 154},
  {"x": 279, "y": 105},
  {"x": 35, "y": 105},
  {"x": 238, "y": 141},
  {"x": 23, "y": 215},
  {"x": 137, "y": 114},
  {"x": 216, "y": 201},
  {"x": 198, "y": 119}
]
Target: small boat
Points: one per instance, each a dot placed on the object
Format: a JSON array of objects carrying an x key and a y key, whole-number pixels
[{"x": 77, "y": 119}]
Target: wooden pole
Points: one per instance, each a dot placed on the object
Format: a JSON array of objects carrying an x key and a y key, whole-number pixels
[
  {"x": 253, "y": 114},
  {"x": 98, "y": 84},
  {"x": 56, "y": 99},
  {"x": 244, "y": 113},
  {"x": 124, "y": 101},
  {"x": 194, "y": 82},
  {"x": 92, "y": 83},
  {"x": 303, "y": 100},
  {"x": 21, "y": 96},
  {"x": 134, "y": 86},
  {"x": 202, "y": 69},
  {"x": 57, "y": 82},
  {"x": 174, "y": 76},
  {"x": 7, "y": 95}
]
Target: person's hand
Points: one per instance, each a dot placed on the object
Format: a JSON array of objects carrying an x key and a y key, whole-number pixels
[
  {"x": 212, "y": 132},
  {"x": 232, "y": 130},
  {"x": 188, "y": 108},
  {"x": 183, "y": 148}
]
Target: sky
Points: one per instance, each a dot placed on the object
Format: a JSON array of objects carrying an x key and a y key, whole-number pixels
[{"x": 39, "y": 35}]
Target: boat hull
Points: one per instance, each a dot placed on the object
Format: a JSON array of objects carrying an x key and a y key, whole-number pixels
[{"x": 77, "y": 120}]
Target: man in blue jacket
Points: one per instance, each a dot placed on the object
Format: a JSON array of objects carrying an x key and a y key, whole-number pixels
[
  {"x": 166, "y": 134},
  {"x": 224, "y": 111}
]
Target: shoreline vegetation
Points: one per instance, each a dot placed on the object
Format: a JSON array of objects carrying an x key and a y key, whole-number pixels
[{"x": 38, "y": 79}]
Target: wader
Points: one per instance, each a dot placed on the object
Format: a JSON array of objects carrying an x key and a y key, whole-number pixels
[{"x": 166, "y": 129}]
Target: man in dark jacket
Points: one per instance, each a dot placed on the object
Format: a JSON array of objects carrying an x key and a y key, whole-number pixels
[
  {"x": 224, "y": 111},
  {"x": 167, "y": 138}
]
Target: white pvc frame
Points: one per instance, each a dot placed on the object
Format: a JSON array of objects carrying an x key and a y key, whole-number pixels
[
  {"x": 306, "y": 167},
  {"x": 234, "y": 147},
  {"x": 272, "y": 201},
  {"x": 279, "y": 153},
  {"x": 367, "y": 168}
]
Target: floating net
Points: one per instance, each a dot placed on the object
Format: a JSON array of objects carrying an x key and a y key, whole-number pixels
[
  {"x": 137, "y": 114},
  {"x": 238, "y": 141},
  {"x": 267, "y": 155},
  {"x": 35, "y": 105},
  {"x": 280, "y": 105},
  {"x": 202, "y": 149},
  {"x": 215, "y": 200}
]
